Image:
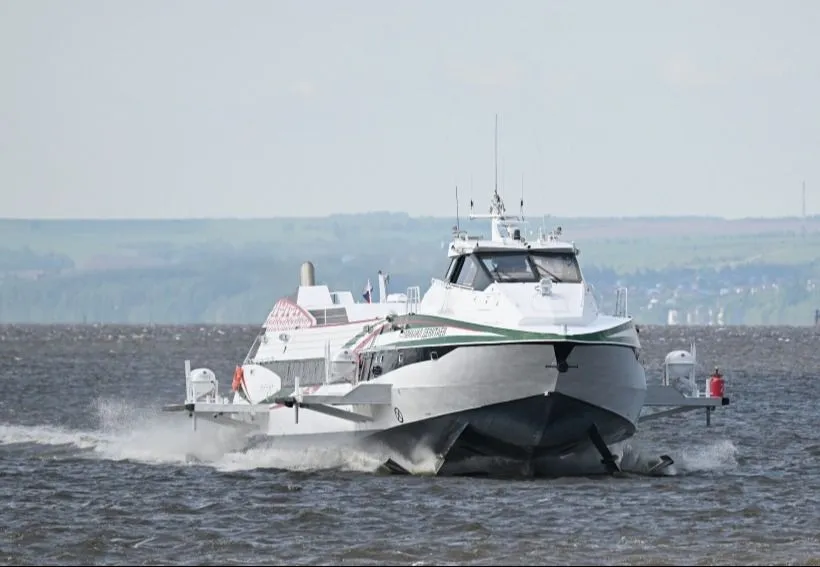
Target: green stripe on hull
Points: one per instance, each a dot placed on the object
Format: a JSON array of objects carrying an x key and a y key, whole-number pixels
[
  {"x": 489, "y": 340},
  {"x": 606, "y": 335},
  {"x": 496, "y": 340}
]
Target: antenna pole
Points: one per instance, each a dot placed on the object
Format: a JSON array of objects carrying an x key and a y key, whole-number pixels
[
  {"x": 522, "y": 195},
  {"x": 458, "y": 225},
  {"x": 471, "y": 194},
  {"x": 496, "y": 153}
]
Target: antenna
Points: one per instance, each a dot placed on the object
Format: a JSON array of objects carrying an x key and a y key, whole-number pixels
[
  {"x": 522, "y": 196},
  {"x": 471, "y": 193},
  {"x": 457, "y": 221},
  {"x": 496, "y": 153}
]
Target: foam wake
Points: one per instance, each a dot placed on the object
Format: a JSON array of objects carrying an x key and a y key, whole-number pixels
[
  {"x": 149, "y": 436},
  {"x": 146, "y": 435},
  {"x": 714, "y": 456}
]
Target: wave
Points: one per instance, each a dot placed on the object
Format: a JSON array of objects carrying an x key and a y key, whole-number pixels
[{"x": 150, "y": 436}]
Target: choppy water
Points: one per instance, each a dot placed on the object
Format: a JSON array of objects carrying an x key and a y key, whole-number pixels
[{"x": 92, "y": 473}]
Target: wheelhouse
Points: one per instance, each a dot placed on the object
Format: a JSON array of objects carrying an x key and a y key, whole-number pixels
[{"x": 479, "y": 270}]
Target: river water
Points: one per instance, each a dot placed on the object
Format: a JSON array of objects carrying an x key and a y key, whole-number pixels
[{"x": 91, "y": 472}]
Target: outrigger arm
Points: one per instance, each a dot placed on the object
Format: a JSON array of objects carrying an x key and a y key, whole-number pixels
[
  {"x": 670, "y": 397},
  {"x": 363, "y": 394}
]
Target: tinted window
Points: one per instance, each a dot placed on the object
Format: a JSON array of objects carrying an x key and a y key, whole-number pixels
[
  {"x": 507, "y": 267},
  {"x": 560, "y": 266},
  {"x": 468, "y": 272},
  {"x": 451, "y": 269}
]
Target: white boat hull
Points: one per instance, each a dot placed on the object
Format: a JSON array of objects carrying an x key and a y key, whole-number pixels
[
  {"x": 506, "y": 358},
  {"x": 480, "y": 402}
]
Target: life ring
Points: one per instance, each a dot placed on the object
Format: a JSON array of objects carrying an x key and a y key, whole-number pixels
[{"x": 238, "y": 378}]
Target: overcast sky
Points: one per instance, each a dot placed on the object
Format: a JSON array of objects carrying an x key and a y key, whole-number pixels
[{"x": 249, "y": 108}]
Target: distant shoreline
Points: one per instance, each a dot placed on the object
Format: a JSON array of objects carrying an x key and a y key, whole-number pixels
[{"x": 363, "y": 216}]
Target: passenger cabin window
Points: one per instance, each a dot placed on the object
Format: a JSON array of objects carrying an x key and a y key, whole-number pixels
[{"x": 479, "y": 270}]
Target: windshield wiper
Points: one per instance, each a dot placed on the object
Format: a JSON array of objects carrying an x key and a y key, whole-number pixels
[
  {"x": 550, "y": 274},
  {"x": 542, "y": 271}
]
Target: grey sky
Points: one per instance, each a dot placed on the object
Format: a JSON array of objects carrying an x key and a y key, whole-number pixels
[{"x": 251, "y": 108}]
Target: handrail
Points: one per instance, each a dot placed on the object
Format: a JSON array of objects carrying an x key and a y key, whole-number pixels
[
  {"x": 413, "y": 299},
  {"x": 621, "y": 305}
]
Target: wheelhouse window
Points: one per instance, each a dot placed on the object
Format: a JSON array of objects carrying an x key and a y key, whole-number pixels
[
  {"x": 467, "y": 271},
  {"x": 562, "y": 266},
  {"x": 509, "y": 267},
  {"x": 531, "y": 266},
  {"x": 479, "y": 270}
]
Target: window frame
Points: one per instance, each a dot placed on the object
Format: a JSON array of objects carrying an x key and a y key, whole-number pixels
[{"x": 478, "y": 257}]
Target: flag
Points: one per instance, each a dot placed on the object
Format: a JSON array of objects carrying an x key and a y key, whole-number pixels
[{"x": 368, "y": 292}]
